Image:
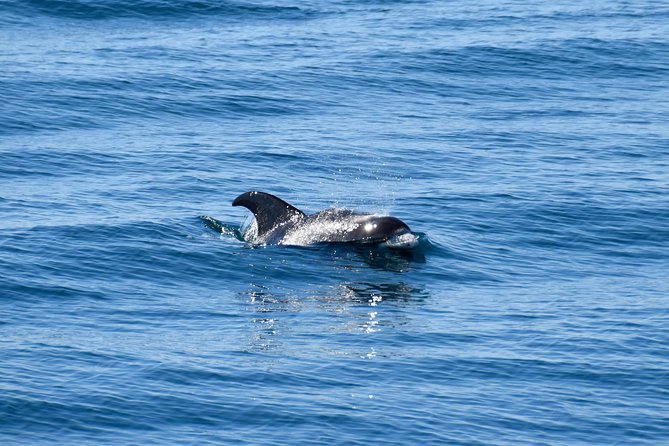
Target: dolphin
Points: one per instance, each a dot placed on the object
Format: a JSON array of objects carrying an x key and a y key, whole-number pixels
[{"x": 279, "y": 223}]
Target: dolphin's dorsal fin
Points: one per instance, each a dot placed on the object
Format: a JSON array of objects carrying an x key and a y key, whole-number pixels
[{"x": 268, "y": 210}]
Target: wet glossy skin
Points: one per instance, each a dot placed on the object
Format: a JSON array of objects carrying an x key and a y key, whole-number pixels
[
  {"x": 340, "y": 226},
  {"x": 279, "y": 223}
]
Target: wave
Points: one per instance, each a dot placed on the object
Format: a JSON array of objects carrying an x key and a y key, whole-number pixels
[
  {"x": 150, "y": 9},
  {"x": 576, "y": 58},
  {"x": 65, "y": 103}
]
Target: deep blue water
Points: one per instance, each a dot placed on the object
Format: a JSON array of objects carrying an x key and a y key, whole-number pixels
[{"x": 528, "y": 144}]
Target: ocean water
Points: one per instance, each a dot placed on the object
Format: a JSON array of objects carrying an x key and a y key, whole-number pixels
[{"x": 527, "y": 144}]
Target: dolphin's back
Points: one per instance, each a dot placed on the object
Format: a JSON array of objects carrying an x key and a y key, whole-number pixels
[{"x": 277, "y": 222}]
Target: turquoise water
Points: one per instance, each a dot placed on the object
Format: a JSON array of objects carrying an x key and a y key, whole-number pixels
[{"x": 527, "y": 144}]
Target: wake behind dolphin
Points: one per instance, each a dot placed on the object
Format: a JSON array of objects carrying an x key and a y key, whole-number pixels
[{"x": 279, "y": 223}]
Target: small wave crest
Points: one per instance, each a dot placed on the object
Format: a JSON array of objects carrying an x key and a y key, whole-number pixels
[{"x": 225, "y": 230}]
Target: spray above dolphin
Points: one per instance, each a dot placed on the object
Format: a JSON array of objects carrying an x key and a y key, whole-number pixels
[{"x": 279, "y": 223}]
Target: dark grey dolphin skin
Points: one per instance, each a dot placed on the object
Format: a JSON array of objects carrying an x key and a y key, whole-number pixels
[{"x": 279, "y": 223}]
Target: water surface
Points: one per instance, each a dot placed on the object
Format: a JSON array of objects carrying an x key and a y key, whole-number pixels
[{"x": 529, "y": 144}]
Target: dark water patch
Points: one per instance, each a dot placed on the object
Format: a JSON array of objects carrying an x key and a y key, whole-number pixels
[
  {"x": 29, "y": 289},
  {"x": 134, "y": 252},
  {"x": 60, "y": 106},
  {"x": 68, "y": 354},
  {"x": 591, "y": 224},
  {"x": 23, "y": 122},
  {"x": 68, "y": 416},
  {"x": 191, "y": 376},
  {"x": 499, "y": 238},
  {"x": 46, "y": 163},
  {"x": 492, "y": 18},
  {"x": 573, "y": 59},
  {"x": 158, "y": 9}
]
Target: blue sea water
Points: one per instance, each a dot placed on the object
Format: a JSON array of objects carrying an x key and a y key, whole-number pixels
[{"x": 527, "y": 143}]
